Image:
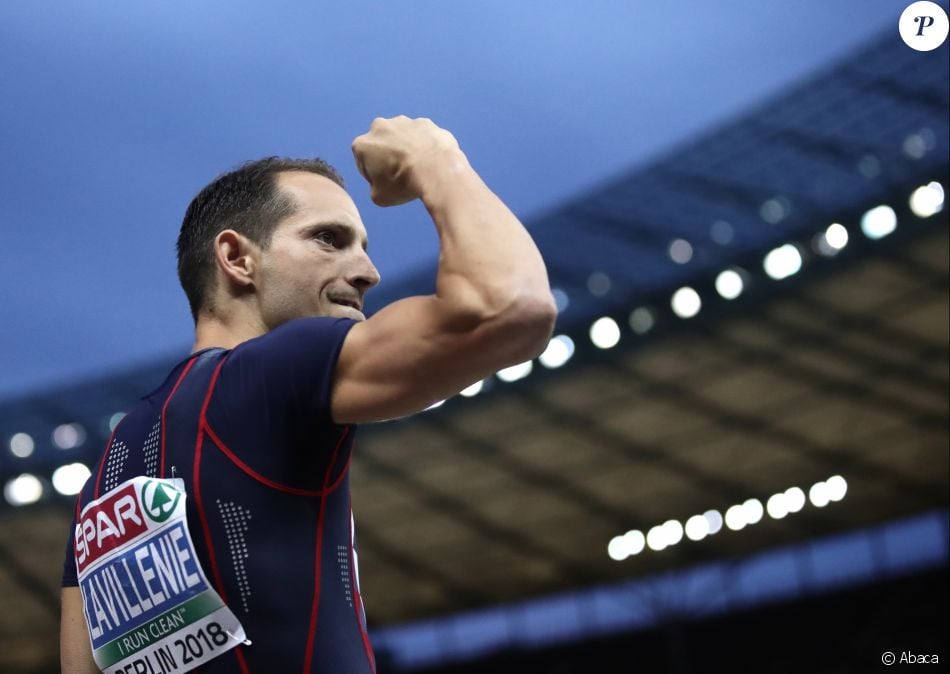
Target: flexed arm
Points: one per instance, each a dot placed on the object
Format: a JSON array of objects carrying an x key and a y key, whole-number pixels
[{"x": 492, "y": 307}]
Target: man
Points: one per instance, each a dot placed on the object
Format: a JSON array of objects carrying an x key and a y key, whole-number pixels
[{"x": 258, "y": 422}]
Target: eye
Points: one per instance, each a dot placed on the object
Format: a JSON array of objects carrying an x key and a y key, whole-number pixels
[{"x": 326, "y": 236}]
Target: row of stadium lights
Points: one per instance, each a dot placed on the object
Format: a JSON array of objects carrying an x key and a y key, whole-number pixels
[
  {"x": 604, "y": 333},
  {"x": 779, "y": 263},
  {"x": 67, "y": 480},
  {"x": 737, "y": 517}
]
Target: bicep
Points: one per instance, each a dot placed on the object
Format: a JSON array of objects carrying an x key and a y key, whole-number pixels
[
  {"x": 409, "y": 355},
  {"x": 74, "y": 647}
]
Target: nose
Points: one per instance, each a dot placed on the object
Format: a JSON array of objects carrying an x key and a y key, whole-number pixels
[{"x": 364, "y": 274}]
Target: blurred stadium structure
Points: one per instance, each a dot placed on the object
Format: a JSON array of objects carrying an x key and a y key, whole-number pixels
[{"x": 769, "y": 422}]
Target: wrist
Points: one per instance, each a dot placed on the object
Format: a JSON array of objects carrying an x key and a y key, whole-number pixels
[{"x": 439, "y": 178}]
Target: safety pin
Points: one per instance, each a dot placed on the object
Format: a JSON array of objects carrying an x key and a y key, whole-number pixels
[{"x": 245, "y": 641}]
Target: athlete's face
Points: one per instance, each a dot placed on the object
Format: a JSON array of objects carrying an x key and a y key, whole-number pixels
[{"x": 316, "y": 263}]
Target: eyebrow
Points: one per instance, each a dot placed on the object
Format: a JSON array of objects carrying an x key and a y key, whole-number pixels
[{"x": 344, "y": 227}]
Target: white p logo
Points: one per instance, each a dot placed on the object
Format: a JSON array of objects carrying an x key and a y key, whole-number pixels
[{"x": 923, "y": 26}]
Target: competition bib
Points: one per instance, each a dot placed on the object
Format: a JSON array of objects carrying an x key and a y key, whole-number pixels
[{"x": 148, "y": 605}]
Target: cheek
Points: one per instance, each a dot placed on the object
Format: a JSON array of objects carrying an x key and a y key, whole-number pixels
[
  {"x": 286, "y": 274},
  {"x": 284, "y": 296}
]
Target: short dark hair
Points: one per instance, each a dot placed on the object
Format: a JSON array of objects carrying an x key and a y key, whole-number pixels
[{"x": 246, "y": 200}]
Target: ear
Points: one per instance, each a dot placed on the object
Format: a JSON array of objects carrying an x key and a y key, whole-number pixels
[{"x": 236, "y": 257}]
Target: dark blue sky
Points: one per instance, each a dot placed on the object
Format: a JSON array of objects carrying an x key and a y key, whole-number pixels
[{"x": 113, "y": 114}]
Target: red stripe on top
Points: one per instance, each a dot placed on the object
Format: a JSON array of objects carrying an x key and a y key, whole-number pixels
[
  {"x": 196, "y": 480},
  {"x": 296, "y": 491},
  {"x": 181, "y": 378},
  {"x": 314, "y": 608},
  {"x": 196, "y": 485},
  {"x": 105, "y": 455}
]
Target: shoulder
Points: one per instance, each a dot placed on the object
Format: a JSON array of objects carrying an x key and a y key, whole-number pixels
[
  {"x": 323, "y": 328},
  {"x": 289, "y": 369},
  {"x": 298, "y": 341}
]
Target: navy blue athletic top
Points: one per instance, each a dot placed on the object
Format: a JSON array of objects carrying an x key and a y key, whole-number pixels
[{"x": 265, "y": 468}]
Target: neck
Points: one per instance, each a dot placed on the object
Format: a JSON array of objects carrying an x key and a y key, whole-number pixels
[{"x": 214, "y": 330}]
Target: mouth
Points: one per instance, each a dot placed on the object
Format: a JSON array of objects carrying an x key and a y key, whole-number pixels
[{"x": 353, "y": 304}]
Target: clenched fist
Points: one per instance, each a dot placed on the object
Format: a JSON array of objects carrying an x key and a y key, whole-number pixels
[{"x": 402, "y": 157}]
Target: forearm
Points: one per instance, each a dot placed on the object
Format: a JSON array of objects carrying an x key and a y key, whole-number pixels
[
  {"x": 488, "y": 263},
  {"x": 74, "y": 647}
]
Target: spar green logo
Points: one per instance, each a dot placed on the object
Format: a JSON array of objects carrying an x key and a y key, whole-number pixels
[{"x": 159, "y": 500}]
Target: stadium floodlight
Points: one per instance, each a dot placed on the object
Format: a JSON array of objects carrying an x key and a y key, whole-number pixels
[
  {"x": 722, "y": 232},
  {"x": 681, "y": 251},
  {"x": 773, "y": 211},
  {"x": 598, "y": 284},
  {"x": 69, "y": 479},
  {"x": 69, "y": 436},
  {"x": 837, "y": 487},
  {"x": 753, "y": 510},
  {"x": 686, "y": 302},
  {"x": 656, "y": 538},
  {"x": 605, "y": 333},
  {"x": 516, "y": 372},
  {"x": 626, "y": 545},
  {"x": 736, "y": 518},
  {"x": 836, "y": 236},
  {"x": 783, "y": 261},
  {"x": 879, "y": 222},
  {"x": 115, "y": 419},
  {"x": 23, "y": 490},
  {"x": 617, "y": 549},
  {"x": 473, "y": 390},
  {"x": 927, "y": 200},
  {"x": 729, "y": 284},
  {"x": 635, "y": 541},
  {"x": 674, "y": 531},
  {"x": 777, "y": 506},
  {"x": 715, "y": 521},
  {"x": 794, "y": 499},
  {"x": 641, "y": 320},
  {"x": 22, "y": 445},
  {"x": 558, "y": 352},
  {"x": 697, "y": 528},
  {"x": 818, "y": 495}
]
